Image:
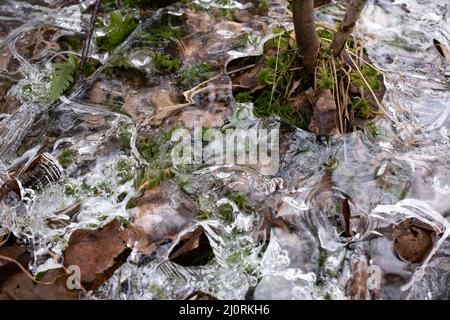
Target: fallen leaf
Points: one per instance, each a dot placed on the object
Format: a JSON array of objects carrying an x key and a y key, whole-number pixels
[
  {"x": 303, "y": 103},
  {"x": 324, "y": 121},
  {"x": 247, "y": 78},
  {"x": 164, "y": 211},
  {"x": 442, "y": 49},
  {"x": 8, "y": 104},
  {"x": 192, "y": 249},
  {"x": 200, "y": 295},
  {"x": 413, "y": 240},
  {"x": 15, "y": 283},
  {"x": 98, "y": 253},
  {"x": 21, "y": 287}
]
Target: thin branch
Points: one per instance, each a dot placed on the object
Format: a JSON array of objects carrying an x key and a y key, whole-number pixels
[
  {"x": 87, "y": 40},
  {"x": 352, "y": 14}
]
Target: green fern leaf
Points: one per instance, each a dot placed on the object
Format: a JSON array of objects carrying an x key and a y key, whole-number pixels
[
  {"x": 118, "y": 28},
  {"x": 63, "y": 76}
]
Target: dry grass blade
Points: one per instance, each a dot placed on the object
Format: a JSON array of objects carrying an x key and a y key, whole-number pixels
[
  {"x": 364, "y": 61},
  {"x": 275, "y": 73},
  {"x": 338, "y": 95},
  {"x": 4, "y": 239},
  {"x": 380, "y": 106},
  {"x": 188, "y": 95}
]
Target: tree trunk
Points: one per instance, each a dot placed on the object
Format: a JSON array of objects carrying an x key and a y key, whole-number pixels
[
  {"x": 351, "y": 16},
  {"x": 305, "y": 33}
]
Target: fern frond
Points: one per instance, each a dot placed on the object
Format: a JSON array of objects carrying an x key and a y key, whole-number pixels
[
  {"x": 118, "y": 28},
  {"x": 63, "y": 76}
]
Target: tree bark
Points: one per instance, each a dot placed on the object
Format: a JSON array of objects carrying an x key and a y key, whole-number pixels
[
  {"x": 351, "y": 16},
  {"x": 305, "y": 33}
]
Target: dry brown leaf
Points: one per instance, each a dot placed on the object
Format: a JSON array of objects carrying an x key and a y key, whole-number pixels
[
  {"x": 413, "y": 240},
  {"x": 164, "y": 211},
  {"x": 192, "y": 249},
  {"x": 324, "y": 121},
  {"x": 98, "y": 253}
]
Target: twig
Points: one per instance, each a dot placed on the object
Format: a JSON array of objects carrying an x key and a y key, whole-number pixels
[
  {"x": 87, "y": 40},
  {"x": 352, "y": 14},
  {"x": 241, "y": 69},
  {"x": 347, "y": 215}
]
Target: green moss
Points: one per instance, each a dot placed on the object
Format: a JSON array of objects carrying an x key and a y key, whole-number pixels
[
  {"x": 165, "y": 63},
  {"x": 325, "y": 34},
  {"x": 28, "y": 88},
  {"x": 362, "y": 108},
  {"x": 239, "y": 257},
  {"x": 239, "y": 199},
  {"x": 150, "y": 177},
  {"x": 226, "y": 213},
  {"x": 132, "y": 203},
  {"x": 281, "y": 41},
  {"x": 102, "y": 187},
  {"x": 75, "y": 43},
  {"x": 66, "y": 158},
  {"x": 91, "y": 66},
  {"x": 277, "y": 30},
  {"x": 203, "y": 215},
  {"x": 156, "y": 150},
  {"x": 263, "y": 5},
  {"x": 116, "y": 104},
  {"x": 325, "y": 80},
  {"x": 124, "y": 170},
  {"x": 370, "y": 75},
  {"x": 322, "y": 258},
  {"x": 330, "y": 165},
  {"x": 182, "y": 183},
  {"x": 124, "y": 136},
  {"x": 278, "y": 79},
  {"x": 155, "y": 289},
  {"x": 118, "y": 60},
  {"x": 160, "y": 37},
  {"x": 70, "y": 190},
  {"x": 123, "y": 222},
  {"x": 226, "y": 13},
  {"x": 152, "y": 147},
  {"x": 240, "y": 42},
  {"x": 6, "y": 84},
  {"x": 192, "y": 75},
  {"x": 243, "y": 97},
  {"x": 263, "y": 108},
  {"x": 148, "y": 148},
  {"x": 263, "y": 249},
  {"x": 374, "y": 132},
  {"x": 327, "y": 296}
]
